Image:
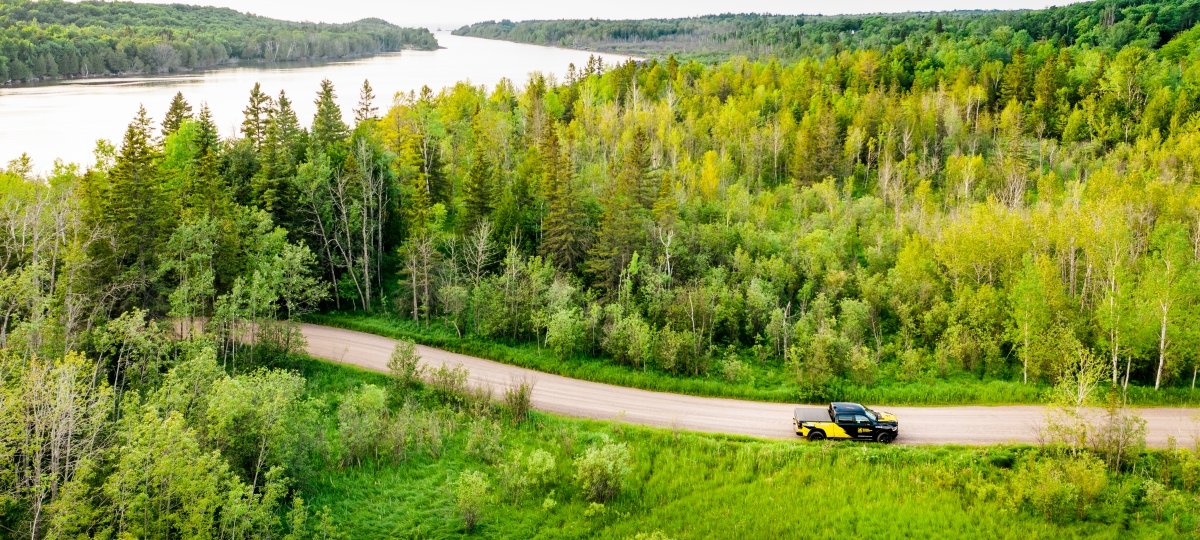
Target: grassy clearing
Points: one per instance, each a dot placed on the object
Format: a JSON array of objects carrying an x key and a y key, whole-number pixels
[
  {"x": 767, "y": 382},
  {"x": 686, "y": 485}
]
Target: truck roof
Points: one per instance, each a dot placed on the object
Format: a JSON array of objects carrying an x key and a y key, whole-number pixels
[{"x": 845, "y": 406}]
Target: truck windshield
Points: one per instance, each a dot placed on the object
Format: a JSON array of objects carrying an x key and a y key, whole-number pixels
[{"x": 871, "y": 414}]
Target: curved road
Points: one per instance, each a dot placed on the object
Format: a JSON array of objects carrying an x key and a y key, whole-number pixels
[{"x": 573, "y": 397}]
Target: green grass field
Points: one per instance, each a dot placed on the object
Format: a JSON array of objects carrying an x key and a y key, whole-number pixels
[
  {"x": 769, "y": 382},
  {"x": 686, "y": 485}
]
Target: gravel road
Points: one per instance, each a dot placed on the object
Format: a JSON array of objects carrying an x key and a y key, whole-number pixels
[{"x": 972, "y": 425}]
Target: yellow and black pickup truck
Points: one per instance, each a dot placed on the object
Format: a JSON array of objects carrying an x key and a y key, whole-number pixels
[{"x": 845, "y": 421}]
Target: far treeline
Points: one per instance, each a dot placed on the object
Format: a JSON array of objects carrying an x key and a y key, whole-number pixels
[
  {"x": 1148, "y": 23},
  {"x": 1009, "y": 209},
  {"x": 52, "y": 38}
]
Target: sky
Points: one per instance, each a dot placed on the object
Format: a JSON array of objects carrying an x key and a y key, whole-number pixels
[{"x": 450, "y": 14}]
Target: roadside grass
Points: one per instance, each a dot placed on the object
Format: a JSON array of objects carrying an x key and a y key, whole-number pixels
[
  {"x": 686, "y": 485},
  {"x": 767, "y": 382}
]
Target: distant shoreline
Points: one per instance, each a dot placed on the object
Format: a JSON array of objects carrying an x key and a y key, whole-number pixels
[{"x": 235, "y": 63}]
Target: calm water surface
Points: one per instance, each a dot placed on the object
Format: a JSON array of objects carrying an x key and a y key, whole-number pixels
[{"x": 63, "y": 120}]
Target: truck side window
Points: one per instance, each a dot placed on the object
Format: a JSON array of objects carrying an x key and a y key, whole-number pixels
[
  {"x": 845, "y": 419},
  {"x": 861, "y": 419}
]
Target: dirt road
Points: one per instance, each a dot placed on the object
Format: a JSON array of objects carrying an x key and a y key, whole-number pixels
[{"x": 573, "y": 397}]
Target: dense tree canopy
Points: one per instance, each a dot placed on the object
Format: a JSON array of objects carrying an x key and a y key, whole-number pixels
[
  {"x": 842, "y": 217},
  {"x": 1107, "y": 23},
  {"x": 1012, "y": 198},
  {"x": 54, "y": 38}
]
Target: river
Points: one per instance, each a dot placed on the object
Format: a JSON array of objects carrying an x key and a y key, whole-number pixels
[{"x": 63, "y": 120}]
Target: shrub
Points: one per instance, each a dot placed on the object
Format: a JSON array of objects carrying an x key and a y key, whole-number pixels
[
  {"x": 449, "y": 383},
  {"x": 628, "y": 339},
  {"x": 564, "y": 333},
  {"x": 431, "y": 431},
  {"x": 361, "y": 419},
  {"x": 1059, "y": 489},
  {"x": 523, "y": 474},
  {"x": 736, "y": 371},
  {"x": 1121, "y": 436},
  {"x": 484, "y": 440},
  {"x": 601, "y": 471},
  {"x": 404, "y": 365},
  {"x": 471, "y": 497},
  {"x": 863, "y": 365},
  {"x": 519, "y": 399}
]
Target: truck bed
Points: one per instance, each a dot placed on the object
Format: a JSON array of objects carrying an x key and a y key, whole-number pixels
[{"x": 811, "y": 414}]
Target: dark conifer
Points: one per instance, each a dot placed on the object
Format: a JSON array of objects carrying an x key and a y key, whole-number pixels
[{"x": 176, "y": 114}]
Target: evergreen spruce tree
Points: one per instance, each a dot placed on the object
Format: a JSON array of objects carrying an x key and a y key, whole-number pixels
[
  {"x": 625, "y": 218},
  {"x": 564, "y": 229},
  {"x": 256, "y": 116},
  {"x": 136, "y": 211},
  {"x": 478, "y": 190},
  {"x": 327, "y": 127},
  {"x": 289, "y": 136},
  {"x": 366, "y": 108},
  {"x": 209, "y": 192},
  {"x": 176, "y": 114},
  {"x": 635, "y": 169},
  {"x": 282, "y": 150},
  {"x": 207, "y": 137}
]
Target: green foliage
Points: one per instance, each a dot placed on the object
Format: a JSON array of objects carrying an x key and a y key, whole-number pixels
[
  {"x": 1060, "y": 490},
  {"x": 519, "y": 400},
  {"x": 404, "y": 366},
  {"x": 471, "y": 497},
  {"x": 603, "y": 470},
  {"x": 362, "y": 421},
  {"x": 890, "y": 212},
  {"x": 690, "y": 485},
  {"x": 51, "y": 39},
  {"x": 524, "y": 474},
  {"x": 1113, "y": 24},
  {"x": 261, "y": 421}
]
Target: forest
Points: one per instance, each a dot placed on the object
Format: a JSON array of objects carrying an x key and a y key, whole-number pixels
[
  {"x": 1010, "y": 207},
  {"x": 790, "y": 37},
  {"x": 858, "y": 218},
  {"x": 50, "y": 39}
]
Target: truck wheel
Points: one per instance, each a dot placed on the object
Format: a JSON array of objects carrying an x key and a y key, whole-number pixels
[
  {"x": 886, "y": 438},
  {"x": 816, "y": 436}
]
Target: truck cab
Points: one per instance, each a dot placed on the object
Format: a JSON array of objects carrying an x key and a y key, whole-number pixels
[{"x": 844, "y": 420}]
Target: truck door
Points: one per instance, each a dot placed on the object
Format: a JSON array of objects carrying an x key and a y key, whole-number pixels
[
  {"x": 863, "y": 428},
  {"x": 848, "y": 424}
]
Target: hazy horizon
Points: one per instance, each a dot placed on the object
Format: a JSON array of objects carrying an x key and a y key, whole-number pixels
[{"x": 450, "y": 14}]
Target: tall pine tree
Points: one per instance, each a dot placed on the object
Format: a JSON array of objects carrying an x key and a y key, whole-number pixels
[
  {"x": 328, "y": 128},
  {"x": 366, "y": 108},
  {"x": 478, "y": 190},
  {"x": 626, "y": 216},
  {"x": 564, "y": 229},
  {"x": 176, "y": 114},
  {"x": 256, "y": 115},
  {"x": 136, "y": 212}
]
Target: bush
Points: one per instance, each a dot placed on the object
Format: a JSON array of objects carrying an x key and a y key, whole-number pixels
[
  {"x": 404, "y": 365},
  {"x": 523, "y": 474},
  {"x": 1121, "y": 436},
  {"x": 449, "y": 384},
  {"x": 471, "y": 497},
  {"x": 361, "y": 419},
  {"x": 519, "y": 399},
  {"x": 484, "y": 440},
  {"x": 431, "y": 429},
  {"x": 736, "y": 371},
  {"x": 1060, "y": 489},
  {"x": 601, "y": 471},
  {"x": 564, "y": 333}
]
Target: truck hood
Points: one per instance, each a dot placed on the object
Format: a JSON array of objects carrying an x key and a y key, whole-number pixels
[{"x": 886, "y": 417}]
